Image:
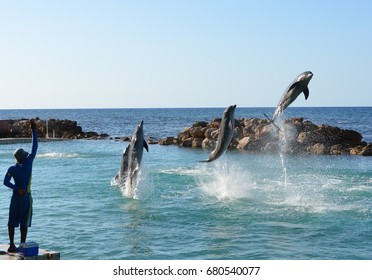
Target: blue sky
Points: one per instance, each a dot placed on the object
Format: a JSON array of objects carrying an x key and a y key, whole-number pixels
[{"x": 125, "y": 54}]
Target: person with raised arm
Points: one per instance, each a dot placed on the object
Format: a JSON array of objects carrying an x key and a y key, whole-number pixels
[{"x": 20, "y": 209}]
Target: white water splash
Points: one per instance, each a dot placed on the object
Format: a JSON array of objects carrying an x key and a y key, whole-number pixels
[
  {"x": 58, "y": 155},
  {"x": 286, "y": 136},
  {"x": 182, "y": 171},
  {"x": 225, "y": 181},
  {"x": 284, "y": 169},
  {"x": 141, "y": 188},
  {"x": 283, "y": 148}
]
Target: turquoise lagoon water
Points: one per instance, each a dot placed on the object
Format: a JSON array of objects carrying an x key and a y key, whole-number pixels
[{"x": 242, "y": 206}]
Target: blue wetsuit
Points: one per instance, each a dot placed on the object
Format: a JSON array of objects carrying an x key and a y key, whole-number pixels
[{"x": 20, "y": 210}]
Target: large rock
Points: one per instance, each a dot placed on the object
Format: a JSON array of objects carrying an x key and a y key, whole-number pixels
[
  {"x": 184, "y": 134},
  {"x": 311, "y": 137},
  {"x": 208, "y": 143},
  {"x": 186, "y": 142},
  {"x": 337, "y": 149},
  {"x": 196, "y": 142},
  {"x": 367, "y": 151},
  {"x": 243, "y": 143},
  {"x": 52, "y": 128},
  {"x": 264, "y": 132},
  {"x": 200, "y": 124},
  {"x": 166, "y": 141},
  {"x": 271, "y": 147},
  {"x": 318, "y": 149},
  {"x": 197, "y": 132},
  {"x": 362, "y": 150},
  {"x": 296, "y": 136},
  {"x": 249, "y": 144},
  {"x": 209, "y": 131}
]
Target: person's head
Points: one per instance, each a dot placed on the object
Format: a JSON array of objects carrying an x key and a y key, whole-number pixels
[{"x": 20, "y": 155}]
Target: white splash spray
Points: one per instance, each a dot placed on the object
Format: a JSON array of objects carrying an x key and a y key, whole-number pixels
[
  {"x": 225, "y": 181},
  {"x": 58, "y": 155},
  {"x": 142, "y": 186}
]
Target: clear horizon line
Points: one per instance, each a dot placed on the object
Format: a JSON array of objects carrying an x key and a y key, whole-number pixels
[{"x": 196, "y": 107}]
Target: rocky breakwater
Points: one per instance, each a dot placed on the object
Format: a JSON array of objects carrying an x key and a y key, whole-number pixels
[
  {"x": 52, "y": 128},
  {"x": 258, "y": 135}
]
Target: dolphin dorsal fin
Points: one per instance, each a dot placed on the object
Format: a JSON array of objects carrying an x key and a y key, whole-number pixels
[{"x": 306, "y": 92}]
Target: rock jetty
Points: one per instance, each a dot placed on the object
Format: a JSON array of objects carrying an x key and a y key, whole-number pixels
[
  {"x": 296, "y": 136},
  {"x": 258, "y": 135},
  {"x": 52, "y": 128}
]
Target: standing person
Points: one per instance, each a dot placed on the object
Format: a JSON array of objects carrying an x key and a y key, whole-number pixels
[{"x": 20, "y": 210}]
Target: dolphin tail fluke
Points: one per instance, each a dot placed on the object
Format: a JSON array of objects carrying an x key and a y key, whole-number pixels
[
  {"x": 207, "y": 160},
  {"x": 272, "y": 121}
]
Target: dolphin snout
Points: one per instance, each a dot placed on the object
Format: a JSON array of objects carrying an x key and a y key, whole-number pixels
[
  {"x": 231, "y": 109},
  {"x": 309, "y": 74}
]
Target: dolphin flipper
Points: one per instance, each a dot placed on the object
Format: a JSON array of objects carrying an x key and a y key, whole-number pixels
[
  {"x": 293, "y": 86},
  {"x": 146, "y": 146},
  {"x": 272, "y": 122},
  {"x": 306, "y": 92}
]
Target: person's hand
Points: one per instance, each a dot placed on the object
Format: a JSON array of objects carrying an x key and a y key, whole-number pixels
[
  {"x": 32, "y": 123},
  {"x": 21, "y": 192}
]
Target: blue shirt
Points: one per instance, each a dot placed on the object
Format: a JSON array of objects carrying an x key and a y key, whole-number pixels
[{"x": 22, "y": 172}]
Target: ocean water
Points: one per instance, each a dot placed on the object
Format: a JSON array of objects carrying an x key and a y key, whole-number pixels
[{"x": 242, "y": 206}]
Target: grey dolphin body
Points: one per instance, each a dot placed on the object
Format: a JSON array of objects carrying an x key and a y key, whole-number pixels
[
  {"x": 225, "y": 135},
  {"x": 131, "y": 159},
  {"x": 123, "y": 171},
  {"x": 299, "y": 85}
]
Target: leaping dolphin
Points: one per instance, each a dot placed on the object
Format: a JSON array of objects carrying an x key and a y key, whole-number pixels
[
  {"x": 225, "y": 135},
  {"x": 299, "y": 85},
  {"x": 123, "y": 171},
  {"x": 131, "y": 159}
]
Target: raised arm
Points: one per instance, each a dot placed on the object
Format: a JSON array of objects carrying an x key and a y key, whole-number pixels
[{"x": 34, "y": 139}]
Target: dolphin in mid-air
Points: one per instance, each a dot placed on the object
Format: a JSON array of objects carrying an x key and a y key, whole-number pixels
[
  {"x": 122, "y": 174},
  {"x": 225, "y": 135},
  {"x": 131, "y": 159},
  {"x": 299, "y": 85}
]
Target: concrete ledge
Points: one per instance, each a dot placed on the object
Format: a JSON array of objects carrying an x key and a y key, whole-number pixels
[{"x": 43, "y": 255}]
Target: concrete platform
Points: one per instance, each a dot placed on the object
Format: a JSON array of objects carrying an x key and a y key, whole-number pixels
[{"x": 43, "y": 254}]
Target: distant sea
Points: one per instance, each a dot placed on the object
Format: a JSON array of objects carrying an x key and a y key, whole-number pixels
[{"x": 242, "y": 206}]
